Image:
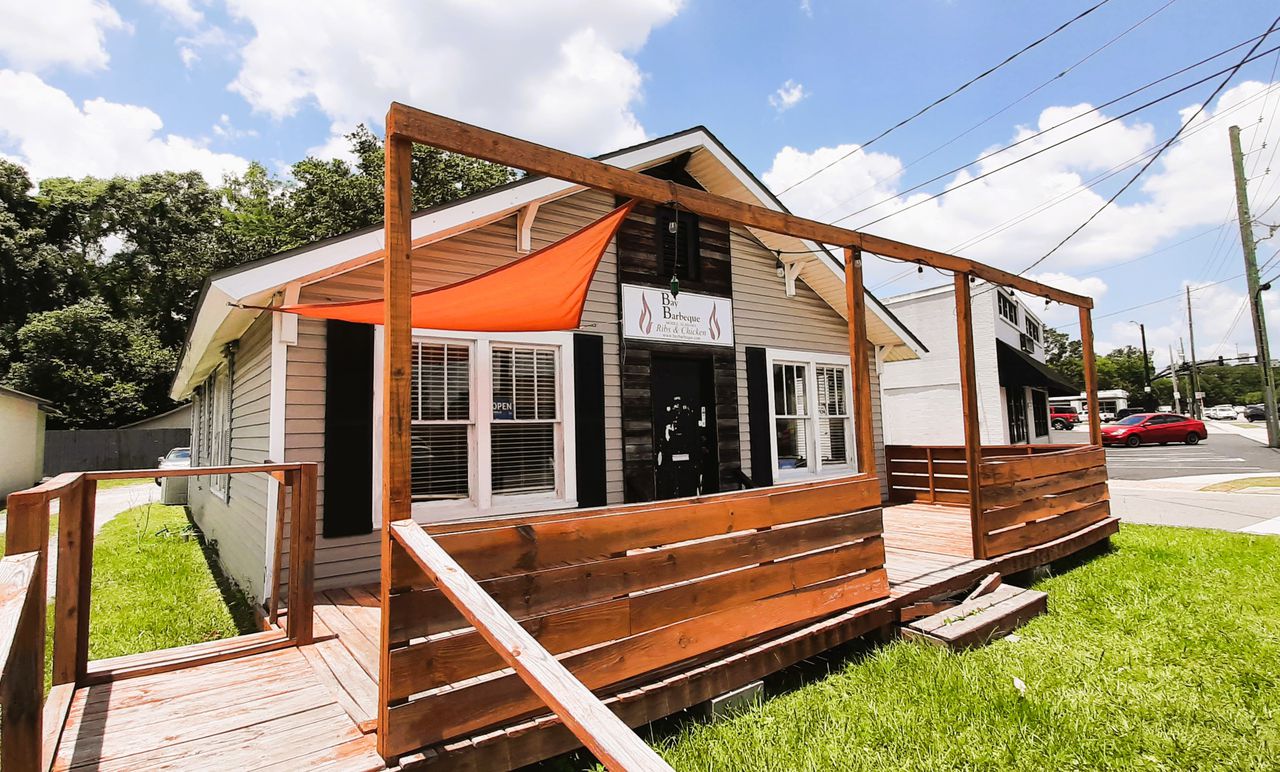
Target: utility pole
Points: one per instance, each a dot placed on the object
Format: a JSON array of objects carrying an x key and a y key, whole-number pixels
[
  {"x": 1196, "y": 412},
  {"x": 1255, "y": 301},
  {"x": 1173, "y": 374},
  {"x": 1147, "y": 398}
]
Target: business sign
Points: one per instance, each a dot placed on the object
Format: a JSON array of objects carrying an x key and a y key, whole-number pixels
[{"x": 653, "y": 313}]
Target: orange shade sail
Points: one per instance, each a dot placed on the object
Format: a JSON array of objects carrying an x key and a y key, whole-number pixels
[{"x": 541, "y": 292}]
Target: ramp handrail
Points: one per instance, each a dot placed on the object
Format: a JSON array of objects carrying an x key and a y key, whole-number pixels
[
  {"x": 22, "y": 610},
  {"x": 611, "y": 740}
]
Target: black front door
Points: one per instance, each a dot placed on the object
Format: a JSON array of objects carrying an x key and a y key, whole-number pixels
[
  {"x": 684, "y": 434},
  {"x": 1016, "y": 404}
]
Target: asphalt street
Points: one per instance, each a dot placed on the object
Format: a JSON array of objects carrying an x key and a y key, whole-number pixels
[{"x": 1220, "y": 454}]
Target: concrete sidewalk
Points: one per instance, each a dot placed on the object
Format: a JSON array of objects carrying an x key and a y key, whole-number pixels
[
  {"x": 1255, "y": 431},
  {"x": 1179, "y": 501}
]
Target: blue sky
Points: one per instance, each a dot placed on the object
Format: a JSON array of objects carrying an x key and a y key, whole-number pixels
[{"x": 126, "y": 86}]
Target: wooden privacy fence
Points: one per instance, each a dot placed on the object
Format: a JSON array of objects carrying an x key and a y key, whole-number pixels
[
  {"x": 23, "y": 720},
  {"x": 621, "y": 593},
  {"x": 1028, "y": 494},
  {"x": 1036, "y": 499}
]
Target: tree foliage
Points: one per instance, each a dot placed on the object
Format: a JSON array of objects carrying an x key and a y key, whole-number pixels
[
  {"x": 1122, "y": 369},
  {"x": 99, "y": 277}
]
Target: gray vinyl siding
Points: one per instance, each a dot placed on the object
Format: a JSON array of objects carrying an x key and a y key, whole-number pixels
[
  {"x": 354, "y": 559},
  {"x": 764, "y": 316},
  {"x": 239, "y": 524}
]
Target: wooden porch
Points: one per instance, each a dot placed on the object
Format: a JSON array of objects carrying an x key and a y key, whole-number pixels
[{"x": 315, "y": 705}]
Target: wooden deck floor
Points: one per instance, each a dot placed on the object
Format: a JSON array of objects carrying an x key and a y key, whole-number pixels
[
  {"x": 315, "y": 707},
  {"x": 266, "y": 712}
]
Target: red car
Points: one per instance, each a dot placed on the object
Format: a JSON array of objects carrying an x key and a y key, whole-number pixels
[
  {"x": 1154, "y": 428},
  {"x": 1063, "y": 417}
]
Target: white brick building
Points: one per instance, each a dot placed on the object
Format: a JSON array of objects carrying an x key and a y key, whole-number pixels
[{"x": 921, "y": 397}]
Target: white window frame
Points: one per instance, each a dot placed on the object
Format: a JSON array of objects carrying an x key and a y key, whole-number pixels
[
  {"x": 219, "y": 394},
  {"x": 1013, "y": 303},
  {"x": 811, "y": 361},
  {"x": 483, "y": 502}
]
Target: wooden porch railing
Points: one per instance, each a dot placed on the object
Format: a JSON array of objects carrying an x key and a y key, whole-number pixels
[
  {"x": 610, "y": 596},
  {"x": 22, "y": 612},
  {"x": 29, "y": 731},
  {"x": 1028, "y": 494},
  {"x": 612, "y": 741}
]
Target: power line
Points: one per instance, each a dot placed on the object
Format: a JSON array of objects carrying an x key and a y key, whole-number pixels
[
  {"x": 1219, "y": 117},
  {"x": 1037, "y": 134},
  {"x": 1002, "y": 110},
  {"x": 954, "y": 91},
  {"x": 1175, "y": 296},
  {"x": 1153, "y": 158}
]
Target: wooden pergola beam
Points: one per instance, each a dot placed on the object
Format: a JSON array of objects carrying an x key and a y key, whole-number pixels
[{"x": 426, "y": 128}]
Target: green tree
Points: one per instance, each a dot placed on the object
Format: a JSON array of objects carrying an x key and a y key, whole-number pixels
[
  {"x": 98, "y": 370},
  {"x": 1064, "y": 355}
]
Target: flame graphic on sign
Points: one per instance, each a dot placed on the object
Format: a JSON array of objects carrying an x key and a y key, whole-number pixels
[
  {"x": 713, "y": 324},
  {"x": 646, "y": 316}
]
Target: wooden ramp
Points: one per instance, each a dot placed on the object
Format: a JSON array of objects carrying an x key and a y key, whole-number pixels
[
  {"x": 266, "y": 712},
  {"x": 979, "y": 620}
]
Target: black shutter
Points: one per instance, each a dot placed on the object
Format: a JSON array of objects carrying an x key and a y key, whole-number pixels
[
  {"x": 348, "y": 429},
  {"x": 761, "y": 423},
  {"x": 588, "y": 391}
]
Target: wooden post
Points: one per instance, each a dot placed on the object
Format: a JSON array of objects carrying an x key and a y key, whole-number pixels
[
  {"x": 933, "y": 487},
  {"x": 302, "y": 554},
  {"x": 22, "y": 684},
  {"x": 859, "y": 353},
  {"x": 273, "y": 612},
  {"x": 71, "y": 599},
  {"x": 1090, "y": 375},
  {"x": 969, "y": 406},
  {"x": 397, "y": 289}
]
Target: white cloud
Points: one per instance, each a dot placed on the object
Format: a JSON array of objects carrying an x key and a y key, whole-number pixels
[
  {"x": 69, "y": 33},
  {"x": 52, "y": 136},
  {"x": 225, "y": 129},
  {"x": 558, "y": 72},
  {"x": 188, "y": 56},
  {"x": 787, "y": 96},
  {"x": 806, "y": 7},
  {"x": 181, "y": 11},
  {"x": 1222, "y": 323},
  {"x": 1190, "y": 186}
]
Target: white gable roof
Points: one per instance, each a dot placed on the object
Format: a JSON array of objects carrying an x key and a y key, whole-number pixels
[{"x": 218, "y": 322}]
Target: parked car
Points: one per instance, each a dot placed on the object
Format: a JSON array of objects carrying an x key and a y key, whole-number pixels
[
  {"x": 173, "y": 490},
  {"x": 1154, "y": 428},
  {"x": 1255, "y": 413},
  {"x": 1063, "y": 418},
  {"x": 1221, "y": 413}
]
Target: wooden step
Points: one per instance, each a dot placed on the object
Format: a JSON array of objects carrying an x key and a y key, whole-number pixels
[{"x": 981, "y": 619}]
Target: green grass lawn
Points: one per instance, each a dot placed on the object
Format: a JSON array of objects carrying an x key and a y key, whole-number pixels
[
  {"x": 1247, "y": 482},
  {"x": 153, "y": 587},
  {"x": 108, "y": 484},
  {"x": 1163, "y": 654}
]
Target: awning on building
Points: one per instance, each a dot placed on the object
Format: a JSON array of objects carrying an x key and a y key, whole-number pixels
[
  {"x": 541, "y": 292},
  {"x": 1017, "y": 368}
]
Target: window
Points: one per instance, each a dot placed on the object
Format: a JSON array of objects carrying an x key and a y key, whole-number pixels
[
  {"x": 441, "y": 421},
  {"x": 811, "y": 415},
  {"x": 791, "y": 415},
  {"x": 218, "y": 428},
  {"x": 524, "y": 420},
  {"x": 1008, "y": 307},
  {"x": 489, "y": 432},
  {"x": 1033, "y": 329},
  {"x": 1016, "y": 407},
  {"x": 833, "y": 415},
  {"x": 679, "y": 253},
  {"x": 1040, "y": 409}
]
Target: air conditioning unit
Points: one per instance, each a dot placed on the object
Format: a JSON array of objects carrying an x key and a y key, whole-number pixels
[{"x": 1028, "y": 343}]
